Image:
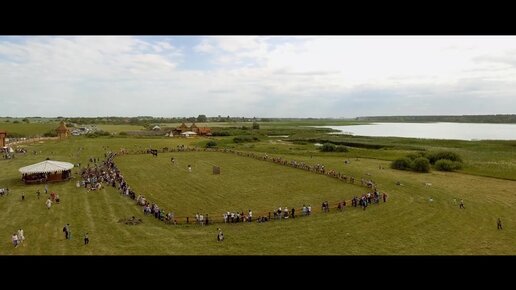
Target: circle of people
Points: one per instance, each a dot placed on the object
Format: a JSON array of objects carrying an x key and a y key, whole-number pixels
[{"x": 94, "y": 175}]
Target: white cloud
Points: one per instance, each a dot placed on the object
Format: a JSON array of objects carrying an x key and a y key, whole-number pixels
[{"x": 262, "y": 76}]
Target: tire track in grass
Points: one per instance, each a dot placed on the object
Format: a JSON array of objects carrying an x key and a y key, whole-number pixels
[{"x": 116, "y": 229}]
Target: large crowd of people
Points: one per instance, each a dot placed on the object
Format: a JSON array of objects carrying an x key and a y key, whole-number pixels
[{"x": 98, "y": 174}]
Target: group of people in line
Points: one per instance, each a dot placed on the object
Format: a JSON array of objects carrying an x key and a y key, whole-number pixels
[{"x": 109, "y": 173}]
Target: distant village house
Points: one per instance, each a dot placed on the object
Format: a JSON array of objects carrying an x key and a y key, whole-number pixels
[
  {"x": 183, "y": 130},
  {"x": 3, "y": 134},
  {"x": 62, "y": 131}
]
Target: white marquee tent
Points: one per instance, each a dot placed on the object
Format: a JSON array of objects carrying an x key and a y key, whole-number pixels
[
  {"x": 46, "y": 166},
  {"x": 188, "y": 134},
  {"x": 46, "y": 171}
]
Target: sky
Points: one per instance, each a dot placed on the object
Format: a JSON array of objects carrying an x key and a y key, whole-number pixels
[{"x": 256, "y": 76}]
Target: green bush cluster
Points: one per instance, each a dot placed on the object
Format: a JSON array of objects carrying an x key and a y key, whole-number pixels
[
  {"x": 421, "y": 161},
  {"x": 220, "y": 133},
  {"x": 51, "y": 133},
  {"x": 98, "y": 134},
  {"x": 211, "y": 144},
  {"x": 435, "y": 156},
  {"x": 447, "y": 165},
  {"x": 330, "y": 147},
  {"x": 243, "y": 139}
]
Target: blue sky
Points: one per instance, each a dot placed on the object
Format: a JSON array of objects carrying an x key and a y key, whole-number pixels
[{"x": 262, "y": 76}]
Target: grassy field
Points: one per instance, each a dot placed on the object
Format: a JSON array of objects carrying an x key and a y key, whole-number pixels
[
  {"x": 245, "y": 183},
  {"x": 28, "y": 129},
  {"x": 407, "y": 224},
  {"x": 119, "y": 128}
]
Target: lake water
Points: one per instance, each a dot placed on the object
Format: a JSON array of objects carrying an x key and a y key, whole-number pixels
[{"x": 457, "y": 131}]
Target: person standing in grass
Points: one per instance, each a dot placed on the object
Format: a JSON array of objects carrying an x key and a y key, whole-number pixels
[
  {"x": 68, "y": 233},
  {"x": 462, "y": 204},
  {"x": 86, "y": 239},
  {"x": 220, "y": 235},
  {"x": 23, "y": 196},
  {"x": 21, "y": 236},
  {"x": 499, "y": 224},
  {"x": 14, "y": 238},
  {"x": 48, "y": 203}
]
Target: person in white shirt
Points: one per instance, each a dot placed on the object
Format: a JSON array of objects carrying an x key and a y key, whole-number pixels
[
  {"x": 220, "y": 235},
  {"x": 15, "y": 240},
  {"x": 20, "y": 235},
  {"x": 48, "y": 203}
]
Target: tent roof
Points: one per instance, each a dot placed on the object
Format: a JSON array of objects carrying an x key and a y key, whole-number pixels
[
  {"x": 46, "y": 166},
  {"x": 189, "y": 133}
]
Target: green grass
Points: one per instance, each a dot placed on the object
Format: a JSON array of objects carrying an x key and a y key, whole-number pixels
[
  {"x": 28, "y": 129},
  {"x": 119, "y": 128},
  {"x": 407, "y": 224},
  {"x": 244, "y": 183}
]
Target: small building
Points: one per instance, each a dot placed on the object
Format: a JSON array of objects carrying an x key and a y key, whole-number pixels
[
  {"x": 62, "y": 131},
  {"x": 204, "y": 131},
  {"x": 194, "y": 128},
  {"x": 3, "y": 134},
  {"x": 201, "y": 131}
]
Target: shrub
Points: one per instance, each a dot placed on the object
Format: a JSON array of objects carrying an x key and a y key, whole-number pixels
[
  {"x": 123, "y": 133},
  {"x": 243, "y": 139},
  {"x": 421, "y": 164},
  {"x": 452, "y": 156},
  {"x": 220, "y": 133},
  {"x": 50, "y": 134},
  {"x": 401, "y": 164},
  {"x": 97, "y": 134},
  {"x": 341, "y": 149},
  {"x": 211, "y": 144},
  {"x": 15, "y": 135},
  {"x": 327, "y": 147},
  {"x": 256, "y": 126},
  {"x": 447, "y": 165},
  {"x": 413, "y": 156},
  {"x": 330, "y": 147},
  {"x": 300, "y": 142}
]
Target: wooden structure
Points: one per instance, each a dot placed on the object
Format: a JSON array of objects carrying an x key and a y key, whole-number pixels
[
  {"x": 200, "y": 131},
  {"x": 3, "y": 134},
  {"x": 62, "y": 131}
]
